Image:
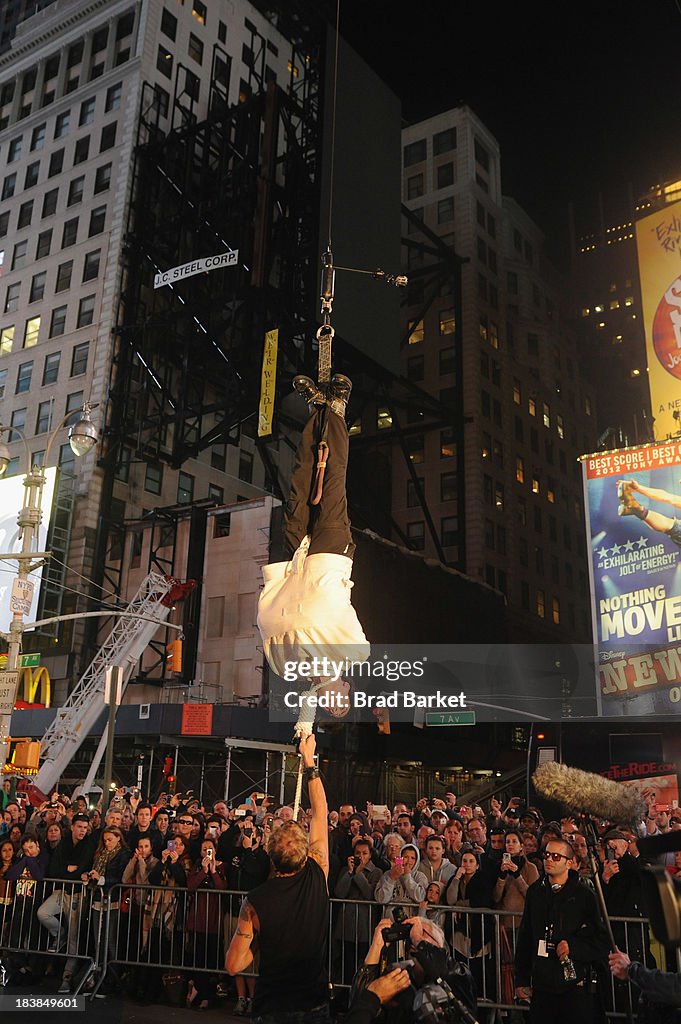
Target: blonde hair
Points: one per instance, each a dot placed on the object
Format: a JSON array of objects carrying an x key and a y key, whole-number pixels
[{"x": 288, "y": 848}]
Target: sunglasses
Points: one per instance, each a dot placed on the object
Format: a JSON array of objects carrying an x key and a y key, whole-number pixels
[
  {"x": 555, "y": 856},
  {"x": 185, "y": 821}
]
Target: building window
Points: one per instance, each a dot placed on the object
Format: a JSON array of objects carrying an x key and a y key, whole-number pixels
[
  {"x": 8, "y": 186},
  {"x": 541, "y": 604},
  {"x": 414, "y": 152},
  {"x": 164, "y": 62},
  {"x": 447, "y": 443},
  {"x": 414, "y": 448},
  {"x": 97, "y": 220},
  {"x": 25, "y": 214},
  {"x": 520, "y": 469},
  {"x": 489, "y": 534},
  {"x": 416, "y": 535},
  {"x": 199, "y": 11},
  {"x": 31, "y": 332},
  {"x": 481, "y": 155},
  {"x": 153, "y": 479},
  {"x": 37, "y": 286},
  {"x": 113, "y": 97},
  {"x": 414, "y": 492},
  {"x": 185, "y": 488},
  {"x": 86, "y": 311},
  {"x": 445, "y": 175},
  {"x": 6, "y": 340},
  {"x": 75, "y": 191},
  {"x": 79, "y": 359},
  {"x": 547, "y": 415},
  {"x": 44, "y": 418},
  {"x": 169, "y": 24},
  {"x": 14, "y": 150},
  {"x": 18, "y": 419},
  {"x": 445, "y": 210},
  {"x": 44, "y": 243},
  {"x": 108, "y": 137},
  {"x": 50, "y": 202},
  {"x": 444, "y": 142},
  {"x": 70, "y": 233},
  {"x": 448, "y": 488},
  {"x": 12, "y": 297},
  {"x": 64, "y": 276},
  {"x": 56, "y": 164},
  {"x": 102, "y": 179},
  {"x": 51, "y": 368},
  {"x": 415, "y": 187},
  {"x": 58, "y": 321},
  {"x": 245, "y": 466},
  {"x": 449, "y": 531},
  {"x": 91, "y": 265},
  {"x": 82, "y": 150},
  {"x": 61, "y": 125},
  {"x": 87, "y": 111},
  {"x": 416, "y": 332},
  {"x": 447, "y": 321},
  {"x": 4, "y": 223},
  {"x": 195, "y": 48},
  {"x": 447, "y": 360},
  {"x": 415, "y": 365},
  {"x": 24, "y": 376}
]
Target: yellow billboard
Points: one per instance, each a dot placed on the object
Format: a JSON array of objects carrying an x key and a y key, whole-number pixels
[
  {"x": 658, "y": 242},
  {"x": 268, "y": 382}
]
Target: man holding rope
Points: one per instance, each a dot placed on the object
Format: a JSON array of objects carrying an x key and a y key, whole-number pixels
[{"x": 287, "y": 917}]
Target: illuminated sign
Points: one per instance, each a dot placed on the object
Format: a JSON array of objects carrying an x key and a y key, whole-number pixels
[
  {"x": 11, "y": 501},
  {"x": 267, "y": 383}
]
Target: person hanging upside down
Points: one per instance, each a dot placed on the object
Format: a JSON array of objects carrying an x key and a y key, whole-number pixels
[
  {"x": 305, "y": 610},
  {"x": 630, "y": 506}
]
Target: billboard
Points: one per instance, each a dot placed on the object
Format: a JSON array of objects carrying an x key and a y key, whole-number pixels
[
  {"x": 633, "y": 505},
  {"x": 11, "y": 501},
  {"x": 658, "y": 243}
]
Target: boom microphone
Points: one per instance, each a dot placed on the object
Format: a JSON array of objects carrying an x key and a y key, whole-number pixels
[{"x": 589, "y": 793}]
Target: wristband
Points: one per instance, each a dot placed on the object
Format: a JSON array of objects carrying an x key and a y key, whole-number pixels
[{"x": 311, "y": 773}]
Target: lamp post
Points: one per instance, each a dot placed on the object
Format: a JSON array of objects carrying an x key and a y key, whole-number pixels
[{"x": 82, "y": 438}]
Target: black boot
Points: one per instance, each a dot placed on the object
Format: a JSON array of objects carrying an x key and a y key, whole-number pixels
[
  {"x": 308, "y": 390},
  {"x": 339, "y": 393}
]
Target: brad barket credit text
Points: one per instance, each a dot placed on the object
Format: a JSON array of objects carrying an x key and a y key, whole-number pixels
[{"x": 359, "y": 699}]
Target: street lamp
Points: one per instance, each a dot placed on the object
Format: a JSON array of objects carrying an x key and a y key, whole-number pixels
[{"x": 82, "y": 439}]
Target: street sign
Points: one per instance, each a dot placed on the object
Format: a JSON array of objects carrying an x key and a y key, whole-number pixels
[
  {"x": 29, "y": 660},
  {"x": 8, "y": 689},
  {"x": 223, "y": 259},
  {"x": 22, "y": 596},
  {"x": 450, "y": 717}
]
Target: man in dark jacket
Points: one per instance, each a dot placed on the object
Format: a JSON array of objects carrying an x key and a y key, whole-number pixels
[
  {"x": 561, "y": 936},
  {"x": 71, "y": 861}
]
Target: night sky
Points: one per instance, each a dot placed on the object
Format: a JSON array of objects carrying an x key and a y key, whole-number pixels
[{"x": 582, "y": 97}]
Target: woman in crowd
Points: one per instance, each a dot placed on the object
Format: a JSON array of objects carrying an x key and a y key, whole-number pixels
[
  {"x": 470, "y": 887},
  {"x": 6, "y": 861},
  {"x": 26, "y": 873},
  {"x": 248, "y": 867},
  {"x": 516, "y": 875},
  {"x": 168, "y": 910},
  {"x": 110, "y": 861},
  {"x": 399, "y": 885},
  {"x": 53, "y": 836},
  {"x": 15, "y": 835},
  {"x": 204, "y": 923},
  {"x": 144, "y": 982}
]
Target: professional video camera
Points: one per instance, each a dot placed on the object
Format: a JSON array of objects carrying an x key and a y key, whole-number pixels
[
  {"x": 661, "y": 892},
  {"x": 443, "y": 990}
]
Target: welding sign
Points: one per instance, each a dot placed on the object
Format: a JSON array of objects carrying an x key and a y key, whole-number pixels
[
  {"x": 175, "y": 274},
  {"x": 267, "y": 383}
]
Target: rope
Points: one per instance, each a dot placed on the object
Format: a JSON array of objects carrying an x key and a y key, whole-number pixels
[
  {"x": 304, "y": 727},
  {"x": 333, "y": 118}
]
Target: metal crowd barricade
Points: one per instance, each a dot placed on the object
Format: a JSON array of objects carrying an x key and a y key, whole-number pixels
[
  {"x": 52, "y": 918},
  {"x": 170, "y": 929}
]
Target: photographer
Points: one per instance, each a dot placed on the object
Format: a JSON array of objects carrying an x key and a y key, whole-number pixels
[
  {"x": 352, "y": 929},
  {"x": 427, "y": 962}
]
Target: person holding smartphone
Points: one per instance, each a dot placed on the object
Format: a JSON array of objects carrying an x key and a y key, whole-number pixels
[
  {"x": 203, "y": 925},
  {"x": 516, "y": 875},
  {"x": 353, "y": 925}
]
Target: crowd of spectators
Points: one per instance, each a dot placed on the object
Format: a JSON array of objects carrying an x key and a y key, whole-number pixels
[{"x": 438, "y": 860}]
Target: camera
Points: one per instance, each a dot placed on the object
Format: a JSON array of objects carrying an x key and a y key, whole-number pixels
[
  {"x": 396, "y": 933},
  {"x": 248, "y": 832},
  {"x": 356, "y": 861}
]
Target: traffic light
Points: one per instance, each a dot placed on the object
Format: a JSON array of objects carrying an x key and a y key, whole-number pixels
[
  {"x": 383, "y": 720},
  {"x": 174, "y": 656}
]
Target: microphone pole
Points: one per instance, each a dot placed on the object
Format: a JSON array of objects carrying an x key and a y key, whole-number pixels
[{"x": 591, "y": 843}]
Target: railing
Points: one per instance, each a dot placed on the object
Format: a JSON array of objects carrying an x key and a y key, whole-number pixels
[{"x": 145, "y": 928}]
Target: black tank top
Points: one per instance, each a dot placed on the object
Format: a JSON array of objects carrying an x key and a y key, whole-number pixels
[{"x": 293, "y": 914}]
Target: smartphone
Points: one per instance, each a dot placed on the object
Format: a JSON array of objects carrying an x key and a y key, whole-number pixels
[
  {"x": 379, "y": 812},
  {"x": 170, "y": 845},
  {"x": 260, "y": 796},
  {"x": 209, "y": 853},
  {"x": 610, "y": 854},
  {"x": 506, "y": 858},
  {"x": 240, "y": 813},
  {"x": 248, "y": 832},
  {"x": 399, "y": 861},
  {"x": 663, "y": 807},
  {"x": 356, "y": 861}
]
